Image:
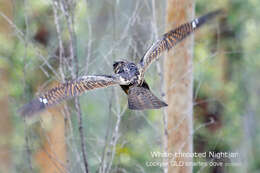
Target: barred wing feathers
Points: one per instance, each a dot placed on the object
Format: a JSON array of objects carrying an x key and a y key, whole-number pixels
[
  {"x": 67, "y": 90},
  {"x": 171, "y": 38}
]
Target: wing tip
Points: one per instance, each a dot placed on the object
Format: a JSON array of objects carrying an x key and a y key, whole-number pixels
[{"x": 205, "y": 18}]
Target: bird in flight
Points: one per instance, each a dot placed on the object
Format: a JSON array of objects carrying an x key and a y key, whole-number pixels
[{"x": 128, "y": 75}]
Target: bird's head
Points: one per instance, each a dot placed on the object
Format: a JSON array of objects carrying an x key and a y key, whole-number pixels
[{"x": 127, "y": 70}]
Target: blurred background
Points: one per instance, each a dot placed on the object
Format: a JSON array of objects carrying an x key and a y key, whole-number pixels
[{"x": 46, "y": 42}]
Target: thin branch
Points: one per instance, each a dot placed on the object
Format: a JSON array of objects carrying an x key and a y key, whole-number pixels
[
  {"x": 65, "y": 6},
  {"x": 27, "y": 136},
  {"x": 115, "y": 137},
  {"x": 28, "y": 150},
  {"x": 82, "y": 139},
  {"x": 19, "y": 34},
  {"x": 89, "y": 44},
  {"x": 103, "y": 162},
  {"x": 162, "y": 90},
  {"x": 68, "y": 7},
  {"x": 61, "y": 49}
]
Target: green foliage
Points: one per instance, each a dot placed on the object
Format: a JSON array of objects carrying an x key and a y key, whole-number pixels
[{"x": 226, "y": 77}]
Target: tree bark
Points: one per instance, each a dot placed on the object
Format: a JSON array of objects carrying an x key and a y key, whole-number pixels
[
  {"x": 6, "y": 8},
  {"x": 5, "y": 123},
  {"x": 179, "y": 84}
]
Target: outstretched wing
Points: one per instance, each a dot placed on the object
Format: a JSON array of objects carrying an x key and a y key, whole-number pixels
[
  {"x": 67, "y": 90},
  {"x": 172, "y": 37},
  {"x": 140, "y": 98}
]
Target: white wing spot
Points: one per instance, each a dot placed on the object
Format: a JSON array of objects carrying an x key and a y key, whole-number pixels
[
  {"x": 193, "y": 24},
  {"x": 44, "y": 100},
  {"x": 40, "y": 99}
]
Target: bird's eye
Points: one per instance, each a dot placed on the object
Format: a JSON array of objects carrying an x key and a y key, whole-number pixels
[{"x": 132, "y": 66}]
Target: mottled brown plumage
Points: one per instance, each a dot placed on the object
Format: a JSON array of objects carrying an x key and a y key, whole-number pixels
[{"x": 128, "y": 75}]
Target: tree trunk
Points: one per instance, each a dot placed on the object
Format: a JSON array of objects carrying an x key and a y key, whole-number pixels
[
  {"x": 6, "y": 7},
  {"x": 179, "y": 84},
  {"x": 5, "y": 123}
]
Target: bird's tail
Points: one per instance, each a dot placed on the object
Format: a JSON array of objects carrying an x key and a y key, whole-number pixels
[{"x": 140, "y": 98}]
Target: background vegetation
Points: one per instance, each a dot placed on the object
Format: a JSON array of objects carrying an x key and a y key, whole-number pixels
[{"x": 87, "y": 36}]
